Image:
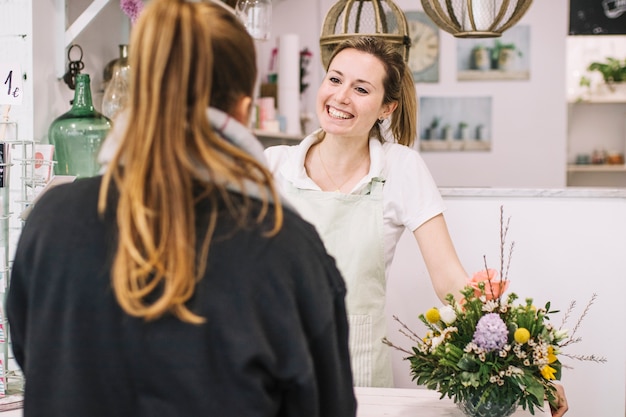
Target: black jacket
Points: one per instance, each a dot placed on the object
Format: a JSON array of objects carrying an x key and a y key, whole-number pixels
[{"x": 275, "y": 342}]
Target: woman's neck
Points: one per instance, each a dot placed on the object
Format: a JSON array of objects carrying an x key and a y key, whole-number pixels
[{"x": 336, "y": 164}]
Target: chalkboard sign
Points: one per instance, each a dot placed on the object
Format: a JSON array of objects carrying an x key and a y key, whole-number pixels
[{"x": 597, "y": 17}]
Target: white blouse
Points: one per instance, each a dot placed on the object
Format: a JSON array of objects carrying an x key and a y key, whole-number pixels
[{"x": 410, "y": 195}]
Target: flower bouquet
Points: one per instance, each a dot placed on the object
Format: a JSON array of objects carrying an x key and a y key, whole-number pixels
[{"x": 488, "y": 352}]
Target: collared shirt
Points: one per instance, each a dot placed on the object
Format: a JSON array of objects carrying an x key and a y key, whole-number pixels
[{"x": 410, "y": 195}]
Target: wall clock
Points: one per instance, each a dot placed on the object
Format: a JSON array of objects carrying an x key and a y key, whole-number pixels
[{"x": 424, "y": 52}]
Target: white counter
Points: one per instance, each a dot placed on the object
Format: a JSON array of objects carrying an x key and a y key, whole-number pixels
[
  {"x": 570, "y": 192},
  {"x": 399, "y": 402},
  {"x": 393, "y": 402}
]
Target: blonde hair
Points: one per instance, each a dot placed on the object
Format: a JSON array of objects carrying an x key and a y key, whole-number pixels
[
  {"x": 184, "y": 57},
  {"x": 398, "y": 84}
]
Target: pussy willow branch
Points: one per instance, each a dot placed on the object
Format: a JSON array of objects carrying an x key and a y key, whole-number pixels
[
  {"x": 504, "y": 230},
  {"x": 580, "y": 320},
  {"x": 508, "y": 264},
  {"x": 567, "y": 313},
  {"x": 406, "y": 331},
  {"x": 388, "y": 343},
  {"x": 592, "y": 358},
  {"x": 416, "y": 336}
]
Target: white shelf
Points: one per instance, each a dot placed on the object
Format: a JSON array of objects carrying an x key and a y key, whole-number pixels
[
  {"x": 276, "y": 138},
  {"x": 596, "y": 168},
  {"x": 65, "y": 36},
  {"x": 598, "y": 100}
]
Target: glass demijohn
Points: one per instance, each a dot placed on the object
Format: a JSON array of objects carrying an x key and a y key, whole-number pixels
[
  {"x": 78, "y": 134},
  {"x": 116, "y": 91}
]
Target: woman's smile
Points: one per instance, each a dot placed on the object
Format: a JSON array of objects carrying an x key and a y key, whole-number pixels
[{"x": 338, "y": 114}]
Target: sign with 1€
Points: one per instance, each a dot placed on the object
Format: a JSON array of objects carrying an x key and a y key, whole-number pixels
[{"x": 10, "y": 84}]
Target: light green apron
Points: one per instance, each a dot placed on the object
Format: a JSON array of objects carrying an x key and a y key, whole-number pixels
[{"x": 351, "y": 227}]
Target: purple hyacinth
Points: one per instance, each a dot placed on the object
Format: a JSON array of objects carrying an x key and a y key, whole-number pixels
[
  {"x": 491, "y": 332},
  {"x": 132, "y": 8}
]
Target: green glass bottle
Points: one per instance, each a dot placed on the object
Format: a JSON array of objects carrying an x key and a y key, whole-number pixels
[{"x": 78, "y": 134}]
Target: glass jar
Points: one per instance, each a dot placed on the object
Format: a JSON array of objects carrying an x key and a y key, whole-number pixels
[{"x": 78, "y": 134}]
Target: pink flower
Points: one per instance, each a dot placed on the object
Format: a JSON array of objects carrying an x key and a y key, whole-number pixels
[
  {"x": 132, "y": 8},
  {"x": 494, "y": 287}
]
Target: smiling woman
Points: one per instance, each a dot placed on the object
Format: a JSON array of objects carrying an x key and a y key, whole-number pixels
[{"x": 358, "y": 181}]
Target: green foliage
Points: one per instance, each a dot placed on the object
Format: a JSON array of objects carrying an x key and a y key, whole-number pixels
[
  {"x": 448, "y": 361},
  {"x": 499, "y": 46},
  {"x": 613, "y": 70}
]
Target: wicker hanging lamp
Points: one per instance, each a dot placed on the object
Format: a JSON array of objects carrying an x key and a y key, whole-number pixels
[
  {"x": 475, "y": 18},
  {"x": 377, "y": 18}
]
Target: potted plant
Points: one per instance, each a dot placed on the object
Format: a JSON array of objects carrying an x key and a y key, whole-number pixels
[
  {"x": 481, "y": 132},
  {"x": 447, "y": 132},
  {"x": 431, "y": 131},
  {"x": 480, "y": 58},
  {"x": 503, "y": 55},
  {"x": 464, "y": 131},
  {"x": 612, "y": 69}
]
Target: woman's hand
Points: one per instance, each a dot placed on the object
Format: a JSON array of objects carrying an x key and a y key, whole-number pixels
[{"x": 561, "y": 402}]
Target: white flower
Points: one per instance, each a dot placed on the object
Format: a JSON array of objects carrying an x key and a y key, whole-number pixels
[
  {"x": 447, "y": 314},
  {"x": 436, "y": 341},
  {"x": 560, "y": 335},
  {"x": 490, "y": 306}
]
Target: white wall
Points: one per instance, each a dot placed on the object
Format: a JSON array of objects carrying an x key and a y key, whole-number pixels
[
  {"x": 530, "y": 146},
  {"x": 529, "y": 131},
  {"x": 565, "y": 250}
]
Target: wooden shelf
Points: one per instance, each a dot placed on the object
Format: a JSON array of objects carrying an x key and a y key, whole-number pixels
[{"x": 596, "y": 168}]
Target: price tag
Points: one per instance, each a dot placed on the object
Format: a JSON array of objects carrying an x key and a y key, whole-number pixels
[{"x": 10, "y": 84}]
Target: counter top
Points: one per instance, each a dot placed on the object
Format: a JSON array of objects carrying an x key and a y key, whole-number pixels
[
  {"x": 569, "y": 192},
  {"x": 406, "y": 402}
]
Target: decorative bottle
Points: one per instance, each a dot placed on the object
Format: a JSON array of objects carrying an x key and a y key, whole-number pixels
[
  {"x": 109, "y": 68},
  {"x": 78, "y": 134},
  {"x": 116, "y": 91}
]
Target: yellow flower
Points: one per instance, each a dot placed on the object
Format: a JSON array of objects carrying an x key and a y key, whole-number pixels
[
  {"x": 551, "y": 356},
  {"x": 521, "y": 335},
  {"x": 548, "y": 372},
  {"x": 433, "y": 315}
]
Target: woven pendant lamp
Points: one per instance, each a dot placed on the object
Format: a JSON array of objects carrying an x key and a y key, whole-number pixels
[
  {"x": 475, "y": 18},
  {"x": 376, "y": 18}
]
